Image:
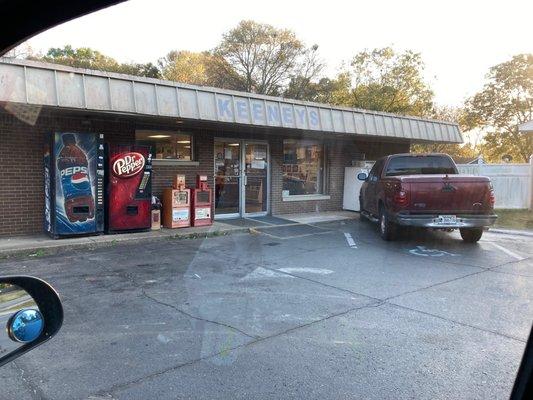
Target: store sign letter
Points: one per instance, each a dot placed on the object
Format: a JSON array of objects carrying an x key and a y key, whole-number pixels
[
  {"x": 257, "y": 112},
  {"x": 313, "y": 118},
  {"x": 224, "y": 110},
  {"x": 287, "y": 115},
  {"x": 300, "y": 115},
  {"x": 269, "y": 113},
  {"x": 242, "y": 109}
]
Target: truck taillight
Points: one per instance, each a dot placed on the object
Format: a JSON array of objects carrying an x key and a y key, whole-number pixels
[
  {"x": 492, "y": 198},
  {"x": 400, "y": 198}
]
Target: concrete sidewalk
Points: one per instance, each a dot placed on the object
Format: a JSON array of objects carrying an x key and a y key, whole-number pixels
[{"x": 38, "y": 245}]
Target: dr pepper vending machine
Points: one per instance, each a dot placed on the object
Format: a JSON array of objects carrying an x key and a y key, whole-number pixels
[
  {"x": 74, "y": 184},
  {"x": 129, "y": 188}
]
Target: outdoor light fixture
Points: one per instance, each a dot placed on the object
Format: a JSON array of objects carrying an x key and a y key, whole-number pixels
[
  {"x": 183, "y": 141},
  {"x": 233, "y": 144},
  {"x": 159, "y": 136}
]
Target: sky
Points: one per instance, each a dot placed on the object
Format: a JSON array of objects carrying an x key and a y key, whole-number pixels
[{"x": 459, "y": 40}]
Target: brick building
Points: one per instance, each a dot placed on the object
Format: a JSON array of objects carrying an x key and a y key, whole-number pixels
[{"x": 263, "y": 155}]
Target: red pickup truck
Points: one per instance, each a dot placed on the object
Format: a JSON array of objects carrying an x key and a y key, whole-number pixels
[{"x": 426, "y": 190}]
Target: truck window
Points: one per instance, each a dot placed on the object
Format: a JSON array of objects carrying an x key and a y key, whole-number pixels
[
  {"x": 421, "y": 165},
  {"x": 375, "y": 172}
]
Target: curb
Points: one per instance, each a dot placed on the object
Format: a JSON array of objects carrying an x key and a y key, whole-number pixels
[
  {"x": 41, "y": 251},
  {"x": 96, "y": 242},
  {"x": 511, "y": 232}
]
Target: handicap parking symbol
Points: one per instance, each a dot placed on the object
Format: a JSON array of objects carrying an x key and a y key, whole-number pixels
[{"x": 425, "y": 252}]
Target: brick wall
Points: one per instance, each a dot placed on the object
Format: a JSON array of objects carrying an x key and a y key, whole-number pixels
[
  {"x": 21, "y": 165},
  {"x": 21, "y": 162}
]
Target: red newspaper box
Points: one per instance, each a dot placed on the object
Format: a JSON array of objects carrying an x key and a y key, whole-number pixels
[{"x": 202, "y": 200}]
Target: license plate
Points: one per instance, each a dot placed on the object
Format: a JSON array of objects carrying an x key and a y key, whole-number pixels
[{"x": 447, "y": 219}]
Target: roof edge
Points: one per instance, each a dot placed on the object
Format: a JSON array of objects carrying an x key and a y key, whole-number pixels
[{"x": 135, "y": 78}]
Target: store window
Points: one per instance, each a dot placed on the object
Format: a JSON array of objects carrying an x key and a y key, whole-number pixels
[
  {"x": 169, "y": 146},
  {"x": 303, "y": 167}
]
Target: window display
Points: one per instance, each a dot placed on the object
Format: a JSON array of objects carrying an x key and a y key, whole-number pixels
[
  {"x": 303, "y": 167},
  {"x": 167, "y": 145}
]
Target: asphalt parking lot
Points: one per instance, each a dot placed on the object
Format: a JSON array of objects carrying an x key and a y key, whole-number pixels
[{"x": 299, "y": 312}]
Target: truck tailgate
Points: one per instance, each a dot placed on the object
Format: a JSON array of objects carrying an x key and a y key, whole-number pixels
[{"x": 454, "y": 194}]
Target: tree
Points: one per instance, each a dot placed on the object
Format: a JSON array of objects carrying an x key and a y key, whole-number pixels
[
  {"x": 23, "y": 50},
  {"x": 505, "y": 102},
  {"x": 384, "y": 80},
  {"x": 456, "y": 150},
  {"x": 301, "y": 85},
  {"x": 148, "y": 70},
  {"x": 85, "y": 57},
  {"x": 265, "y": 58},
  {"x": 202, "y": 68}
]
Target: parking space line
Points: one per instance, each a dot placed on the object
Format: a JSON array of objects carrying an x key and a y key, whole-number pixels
[
  {"x": 508, "y": 252},
  {"x": 292, "y": 237},
  {"x": 350, "y": 240}
]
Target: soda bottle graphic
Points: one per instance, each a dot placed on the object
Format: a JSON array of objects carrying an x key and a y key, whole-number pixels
[{"x": 75, "y": 180}]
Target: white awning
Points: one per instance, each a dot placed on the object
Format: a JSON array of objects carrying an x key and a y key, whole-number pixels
[{"x": 37, "y": 83}]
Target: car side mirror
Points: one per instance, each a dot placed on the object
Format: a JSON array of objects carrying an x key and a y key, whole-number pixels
[
  {"x": 362, "y": 176},
  {"x": 30, "y": 314}
]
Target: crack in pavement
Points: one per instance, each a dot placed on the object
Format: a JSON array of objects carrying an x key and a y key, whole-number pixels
[
  {"x": 113, "y": 389},
  {"x": 386, "y": 300},
  {"x": 376, "y": 303},
  {"x": 198, "y": 318},
  {"x": 35, "y": 391},
  {"x": 157, "y": 301},
  {"x": 457, "y": 322}
]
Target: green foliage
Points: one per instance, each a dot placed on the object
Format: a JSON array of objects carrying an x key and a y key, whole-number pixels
[
  {"x": 202, "y": 68},
  {"x": 85, "y": 57},
  {"x": 457, "y": 151},
  {"x": 381, "y": 80},
  {"x": 505, "y": 101}
]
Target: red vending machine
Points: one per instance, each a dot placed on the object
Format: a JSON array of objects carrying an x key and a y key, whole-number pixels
[
  {"x": 202, "y": 199},
  {"x": 129, "y": 188}
]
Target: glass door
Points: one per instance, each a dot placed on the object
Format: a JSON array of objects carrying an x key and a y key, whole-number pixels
[
  {"x": 255, "y": 178},
  {"x": 227, "y": 178}
]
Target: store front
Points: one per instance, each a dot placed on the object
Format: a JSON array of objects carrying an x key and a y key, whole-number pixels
[
  {"x": 260, "y": 155},
  {"x": 242, "y": 177}
]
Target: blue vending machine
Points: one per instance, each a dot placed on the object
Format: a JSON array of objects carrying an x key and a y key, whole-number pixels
[{"x": 74, "y": 184}]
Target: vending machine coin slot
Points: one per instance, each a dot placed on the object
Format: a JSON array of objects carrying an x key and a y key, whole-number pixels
[
  {"x": 81, "y": 210},
  {"x": 132, "y": 210}
]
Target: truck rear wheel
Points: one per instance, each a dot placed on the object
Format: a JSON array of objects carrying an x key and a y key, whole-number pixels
[
  {"x": 471, "y": 235},
  {"x": 387, "y": 229}
]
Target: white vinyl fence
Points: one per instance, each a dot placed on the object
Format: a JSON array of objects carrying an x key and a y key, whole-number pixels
[{"x": 512, "y": 182}]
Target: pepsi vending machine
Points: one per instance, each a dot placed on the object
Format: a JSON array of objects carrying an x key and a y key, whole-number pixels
[
  {"x": 74, "y": 184},
  {"x": 129, "y": 188}
]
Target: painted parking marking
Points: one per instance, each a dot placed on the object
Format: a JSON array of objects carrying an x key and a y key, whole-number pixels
[
  {"x": 261, "y": 273},
  {"x": 350, "y": 240},
  {"x": 508, "y": 252},
  {"x": 319, "y": 271},
  {"x": 423, "y": 251},
  {"x": 289, "y": 237}
]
